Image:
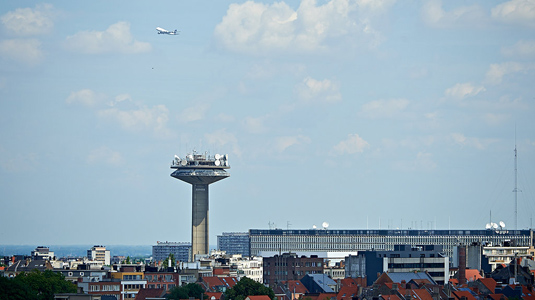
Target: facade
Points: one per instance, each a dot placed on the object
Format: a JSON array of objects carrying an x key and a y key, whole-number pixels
[
  {"x": 234, "y": 243},
  {"x": 100, "y": 254},
  {"x": 161, "y": 251},
  {"x": 107, "y": 287},
  {"x": 161, "y": 280},
  {"x": 380, "y": 240},
  {"x": 290, "y": 266},
  {"x": 248, "y": 267},
  {"x": 200, "y": 170},
  {"x": 404, "y": 258},
  {"x": 42, "y": 252}
]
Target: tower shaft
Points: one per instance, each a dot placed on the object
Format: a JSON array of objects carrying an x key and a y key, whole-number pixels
[{"x": 199, "y": 219}]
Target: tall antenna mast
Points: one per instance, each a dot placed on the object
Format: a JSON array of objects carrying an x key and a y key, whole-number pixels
[{"x": 516, "y": 189}]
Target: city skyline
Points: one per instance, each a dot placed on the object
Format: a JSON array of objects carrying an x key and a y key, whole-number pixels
[{"x": 362, "y": 114}]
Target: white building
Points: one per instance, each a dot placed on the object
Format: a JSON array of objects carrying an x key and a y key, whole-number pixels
[
  {"x": 100, "y": 254},
  {"x": 251, "y": 268}
]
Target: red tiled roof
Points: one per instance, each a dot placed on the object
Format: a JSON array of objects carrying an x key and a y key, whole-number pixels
[
  {"x": 296, "y": 286},
  {"x": 322, "y": 296},
  {"x": 144, "y": 293},
  {"x": 212, "y": 281},
  {"x": 422, "y": 294},
  {"x": 498, "y": 296},
  {"x": 489, "y": 283},
  {"x": 460, "y": 294},
  {"x": 472, "y": 275},
  {"x": 258, "y": 297},
  {"x": 347, "y": 292},
  {"x": 216, "y": 296},
  {"x": 390, "y": 297}
]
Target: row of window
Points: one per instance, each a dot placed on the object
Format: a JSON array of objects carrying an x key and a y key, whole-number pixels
[{"x": 104, "y": 288}]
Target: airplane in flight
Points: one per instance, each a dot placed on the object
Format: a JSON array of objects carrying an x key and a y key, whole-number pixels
[{"x": 163, "y": 31}]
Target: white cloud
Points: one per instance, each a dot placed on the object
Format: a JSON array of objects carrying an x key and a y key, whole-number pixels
[
  {"x": 496, "y": 72},
  {"x": 434, "y": 15},
  {"x": 461, "y": 90},
  {"x": 143, "y": 118},
  {"x": 284, "y": 142},
  {"x": 27, "y": 51},
  {"x": 520, "y": 49},
  {"x": 520, "y": 12},
  {"x": 116, "y": 39},
  {"x": 258, "y": 28},
  {"x": 222, "y": 138},
  {"x": 28, "y": 21},
  {"x": 422, "y": 162},
  {"x": 384, "y": 108},
  {"x": 353, "y": 144},
  {"x": 105, "y": 155},
  {"x": 318, "y": 91},
  {"x": 472, "y": 142},
  {"x": 194, "y": 113},
  {"x": 85, "y": 97},
  {"x": 17, "y": 162},
  {"x": 496, "y": 119},
  {"x": 255, "y": 125}
]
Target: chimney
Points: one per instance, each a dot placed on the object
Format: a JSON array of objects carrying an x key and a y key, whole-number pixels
[{"x": 461, "y": 251}]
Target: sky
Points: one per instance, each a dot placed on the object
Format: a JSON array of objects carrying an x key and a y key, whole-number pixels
[{"x": 361, "y": 114}]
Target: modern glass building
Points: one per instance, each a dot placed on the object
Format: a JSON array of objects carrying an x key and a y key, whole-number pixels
[
  {"x": 314, "y": 240},
  {"x": 234, "y": 243}
]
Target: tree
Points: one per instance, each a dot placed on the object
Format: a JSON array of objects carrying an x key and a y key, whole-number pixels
[
  {"x": 185, "y": 292},
  {"x": 35, "y": 285},
  {"x": 248, "y": 287},
  {"x": 171, "y": 257}
]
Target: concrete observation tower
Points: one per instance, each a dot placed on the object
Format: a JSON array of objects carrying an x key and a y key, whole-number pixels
[{"x": 200, "y": 170}]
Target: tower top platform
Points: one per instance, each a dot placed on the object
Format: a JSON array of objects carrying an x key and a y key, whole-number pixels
[{"x": 201, "y": 161}]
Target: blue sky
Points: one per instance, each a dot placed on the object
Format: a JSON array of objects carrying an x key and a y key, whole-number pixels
[{"x": 362, "y": 114}]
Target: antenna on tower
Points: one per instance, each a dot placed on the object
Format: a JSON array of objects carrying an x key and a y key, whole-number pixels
[{"x": 515, "y": 190}]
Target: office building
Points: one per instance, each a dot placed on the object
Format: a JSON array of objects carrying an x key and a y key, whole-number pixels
[
  {"x": 162, "y": 250},
  {"x": 330, "y": 240},
  {"x": 234, "y": 243}
]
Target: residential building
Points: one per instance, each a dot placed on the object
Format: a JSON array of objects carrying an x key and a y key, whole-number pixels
[
  {"x": 100, "y": 254},
  {"x": 162, "y": 250},
  {"x": 132, "y": 279},
  {"x": 42, "y": 252},
  {"x": 250, "y": 267},
  {"x": 290, "y": 266},
  {"x": 161, "y": 280},
  {"x": 403, "y": 258},
  {"x": 234, "y": 243}
]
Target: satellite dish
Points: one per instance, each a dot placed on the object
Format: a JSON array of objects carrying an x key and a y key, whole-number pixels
[
  {"x": 502, "y": 224},
  {"x": 494, "y": 225},
  {"x": 488, "y": 226},
  {"x": 217, "y": 156},
  {"x": 217, "y": 162},
  {"x": 325, "y": 225},
  {"x": 176, "y": 157},
  {"x": 314, "y": 227},
  {"x": 183, "y": 162}
]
